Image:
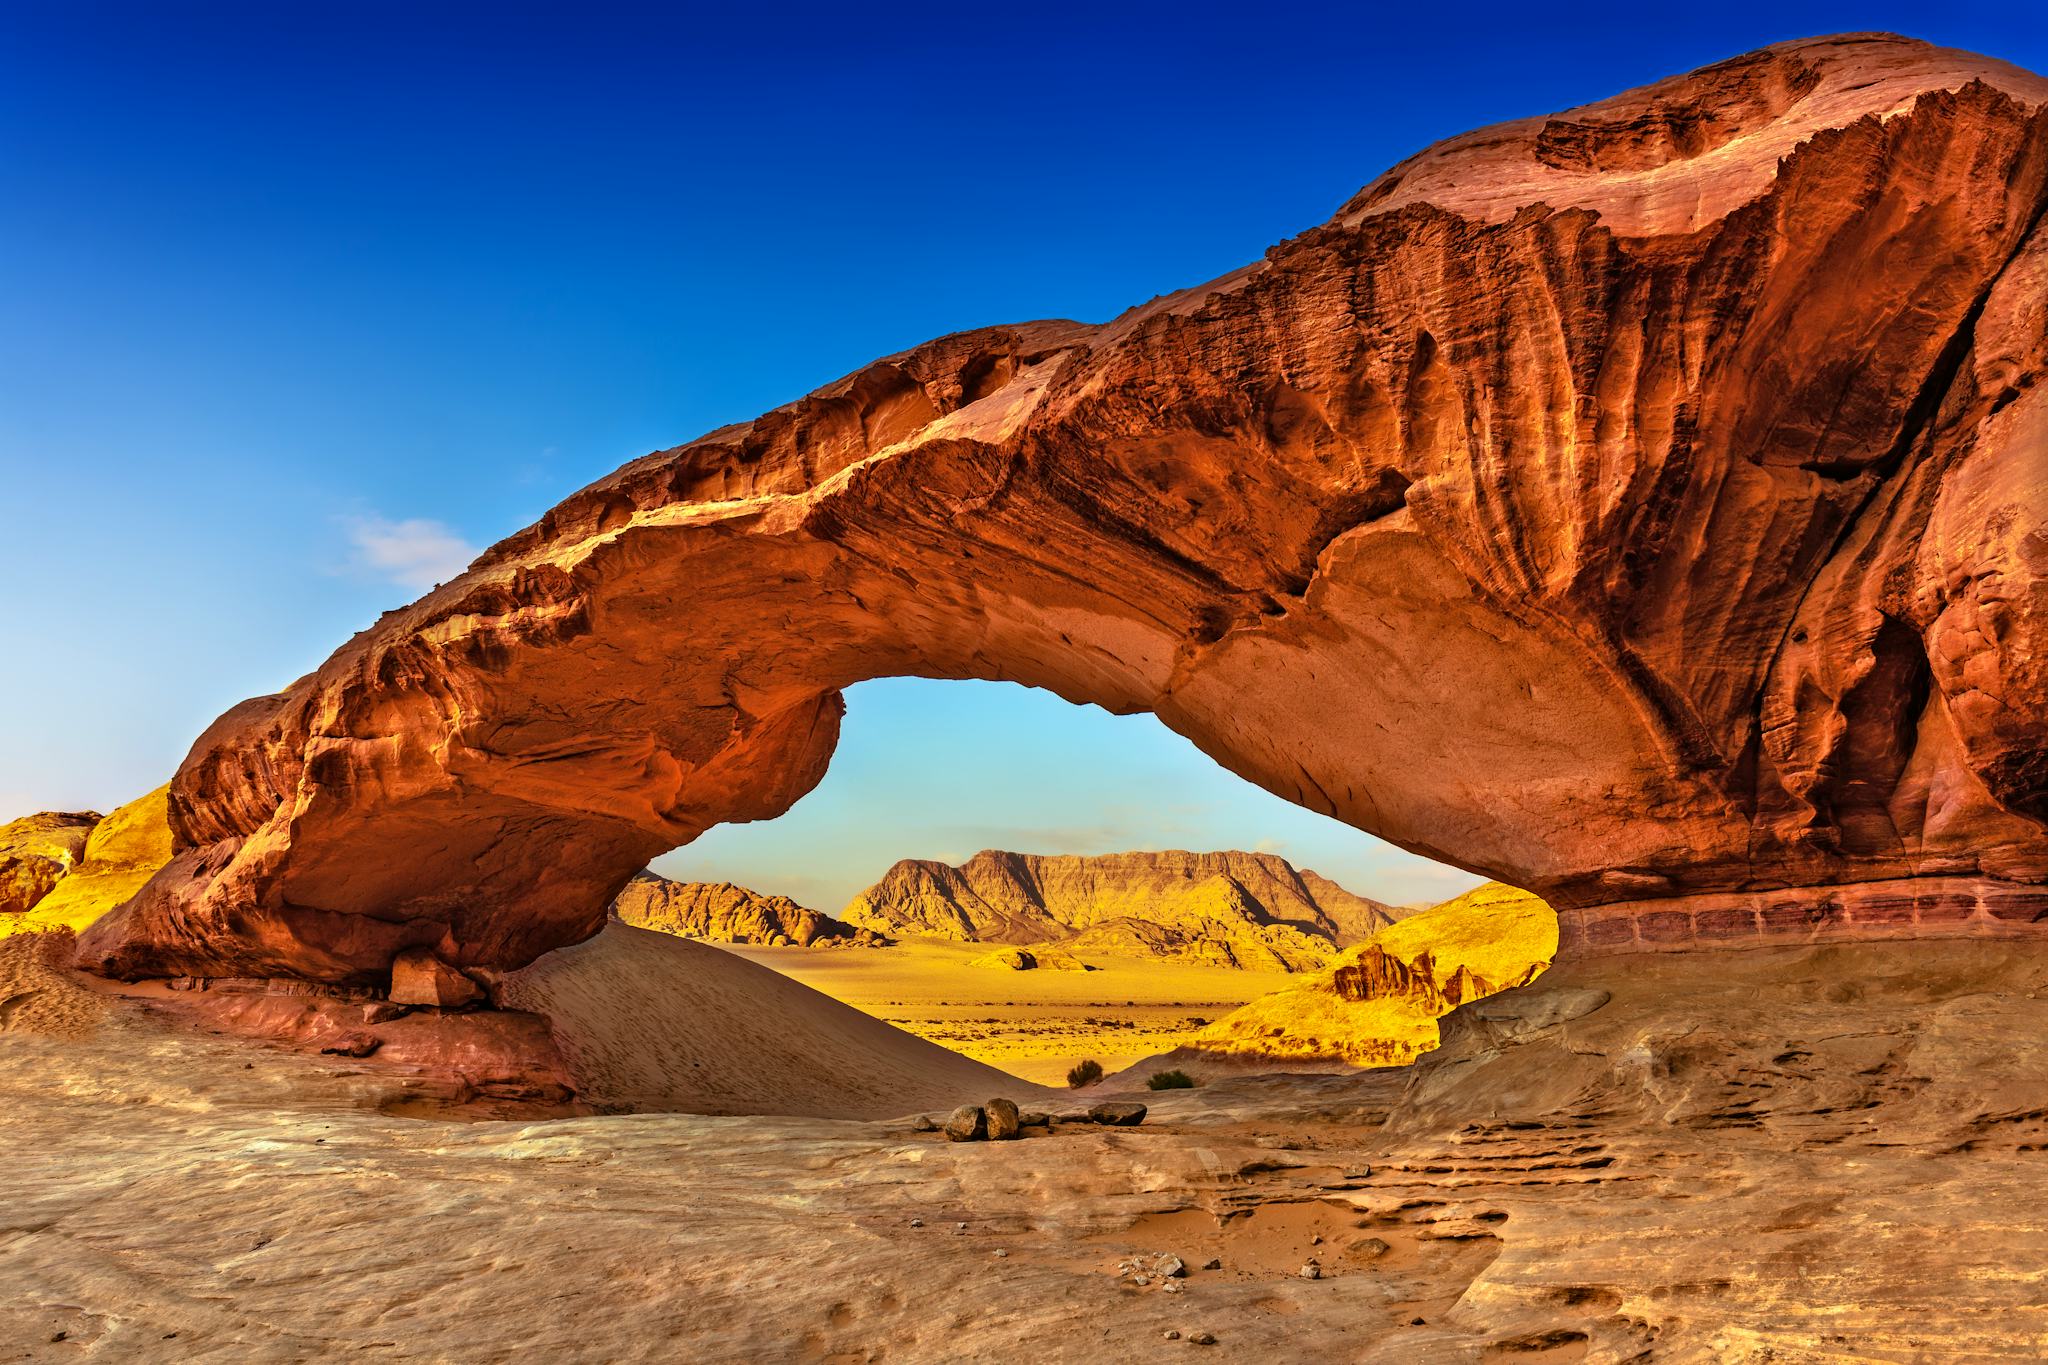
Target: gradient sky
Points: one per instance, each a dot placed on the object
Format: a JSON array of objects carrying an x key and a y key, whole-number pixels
[{"x": 299, "y": 305}]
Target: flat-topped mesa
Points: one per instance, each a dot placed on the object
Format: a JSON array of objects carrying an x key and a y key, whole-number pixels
[{"x": 1637, "y": 505}]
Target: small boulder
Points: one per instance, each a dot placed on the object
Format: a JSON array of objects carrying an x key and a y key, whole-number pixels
[
  {"x": 968, "y": 1123},
  {"x": 420, "y": 978},
  {"x": 1366, "y": 1248},
  {"x": 1311, "y": 1271},
  {"x": 923, "y": 1124},
  {"x": 353, "y": 1045},
  {"x": 1202, "y": 1339},
  {"x": 1002, "y": 1120},
  {"x": 383, "y": 1012},
  {"x": 1213, "y": 1263},
  {"x": 1033, "y": 1118},
  {"x": 1120, "y": 1115}
]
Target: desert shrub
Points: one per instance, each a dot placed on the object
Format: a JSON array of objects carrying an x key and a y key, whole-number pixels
[
  {"x": 1085, "y": 1073},
  {"x": 1170, "y": 1080}
]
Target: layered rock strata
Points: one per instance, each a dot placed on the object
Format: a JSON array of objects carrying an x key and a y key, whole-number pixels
[
  {"x": 1248, "y": 910},
  {"x": 1639, "y": 504}
]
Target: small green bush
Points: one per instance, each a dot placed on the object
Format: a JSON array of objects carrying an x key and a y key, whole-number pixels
[
  {"x": 1086, "y": 1073},
  {"x": 1170, "y": 1080}
]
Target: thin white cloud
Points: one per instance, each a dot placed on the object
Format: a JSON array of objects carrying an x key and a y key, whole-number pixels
[{"x": 415, "y": 553}]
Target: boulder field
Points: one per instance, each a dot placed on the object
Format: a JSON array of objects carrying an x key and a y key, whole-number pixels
[{"x": 1644, "y": 505}]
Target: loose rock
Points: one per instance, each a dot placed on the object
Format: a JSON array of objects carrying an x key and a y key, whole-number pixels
[
  {"x": 1001, "y": 1120},
  {"x": 420, "y": 978},
  {"x": 1121, "y": 1115},
  {"x": 968, "y": 1123},
  {"x": 353, "y": 1045}
]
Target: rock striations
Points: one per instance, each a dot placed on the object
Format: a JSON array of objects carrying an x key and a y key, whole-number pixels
[
  {"x": 1643, "y": 505},
  {"x": 1248, "y": 910},
  {"x": 720, "y": 912}
]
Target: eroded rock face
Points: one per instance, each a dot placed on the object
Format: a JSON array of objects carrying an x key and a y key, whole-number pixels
[
  {"x": 723, "y": 913},
  {"x": 1232, "y": 909},
  {"x": 1637, "y": 504},
  {"x": 37, "y": 852},
  {"x": 121, "y": 854}
]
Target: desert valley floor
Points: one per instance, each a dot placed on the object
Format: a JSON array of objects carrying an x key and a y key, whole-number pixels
[
  {"x": 1031, "y": 1024},
  {"x": 1781, "y": 1154}
]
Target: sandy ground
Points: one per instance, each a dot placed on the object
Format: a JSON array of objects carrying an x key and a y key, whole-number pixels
[
  {"x": 1033, "y": 1024},
  {"x": 1779, "y": 1155}
]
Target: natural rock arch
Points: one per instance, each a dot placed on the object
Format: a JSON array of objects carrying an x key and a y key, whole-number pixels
[{"x": 1643, "y": 505}]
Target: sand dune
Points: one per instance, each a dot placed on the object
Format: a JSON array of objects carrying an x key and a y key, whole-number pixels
[{"x": 648, "y": 1021}]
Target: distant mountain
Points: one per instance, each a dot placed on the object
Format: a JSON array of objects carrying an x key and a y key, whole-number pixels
[
  {"x": 1248, "y": 910},
  {"x": 720, "y": 912}
]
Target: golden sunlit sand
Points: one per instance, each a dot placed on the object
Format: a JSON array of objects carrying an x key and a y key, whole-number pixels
[{"x": 1032, "y": 1024}]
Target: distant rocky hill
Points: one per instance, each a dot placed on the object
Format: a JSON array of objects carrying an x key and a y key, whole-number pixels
[
  {"x": 1248, "y": 910},
  {"x": 36, "y": 852},
  {"x": 63, "y": 871},
  {"x": 1378, "y": 1004},
  {"x": 723, "y": 913}
]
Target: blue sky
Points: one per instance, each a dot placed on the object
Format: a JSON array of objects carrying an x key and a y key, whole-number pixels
[{"x": 303, "y": 303}]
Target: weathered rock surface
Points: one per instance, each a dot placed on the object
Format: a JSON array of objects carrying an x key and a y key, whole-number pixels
[
  {"x": 720, "y": 912},
  {"x": 1637, "y": 504},
  {"x": 1791, "y": 1154},
  {"x": 968, "y": 1123},
  {"x": 1117, "y": 1114},
  {"x": 1004, "y": 1122},
  {"x": 420, "y": 978},
  {"x": 37, "y": 852},
  {"x": 1249, "y": 910}
]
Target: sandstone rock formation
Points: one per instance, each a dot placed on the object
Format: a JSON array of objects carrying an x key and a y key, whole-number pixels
[
  {"x": 36, "y": 852},
  {"x": 1640, "y": 505},
  {"x": 1378, "y": 1004},
  {"x": 420, "y": 978},
  {"x": 720, "y": 912},
  {"x": 1027, "y": 960},
  {"x": 121, "y": 854},
  {"x": 1250, "y": 910}
]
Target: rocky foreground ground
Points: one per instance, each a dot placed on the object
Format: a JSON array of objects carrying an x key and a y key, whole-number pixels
[{"x": 1776, "y": 1154}]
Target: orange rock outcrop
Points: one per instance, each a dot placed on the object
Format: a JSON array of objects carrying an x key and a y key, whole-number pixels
[
  {"x": 721, "y": 912},
  {"x": 1642, "y": 505}
]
